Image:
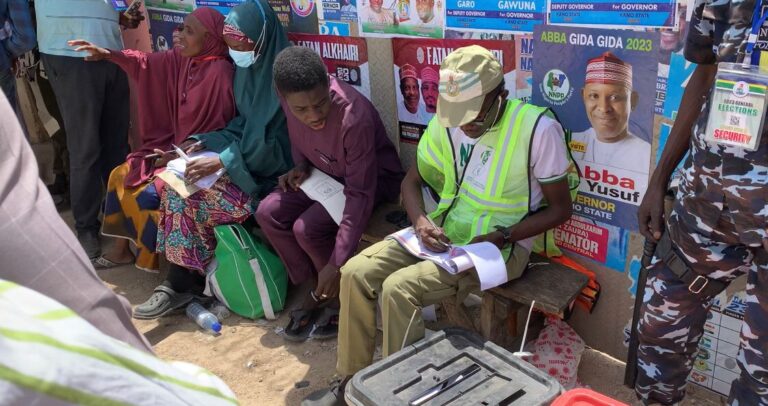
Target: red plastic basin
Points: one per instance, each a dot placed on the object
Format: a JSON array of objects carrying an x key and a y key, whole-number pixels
[{"x": 585, "y": 397}]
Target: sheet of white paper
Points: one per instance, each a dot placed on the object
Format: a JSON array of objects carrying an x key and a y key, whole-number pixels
[
  {"x": 327, "y": 191},
  {"x": 178, "y": 166},
  {"x": 484, "y": 257},
  {"x": 489, "y": 264}
]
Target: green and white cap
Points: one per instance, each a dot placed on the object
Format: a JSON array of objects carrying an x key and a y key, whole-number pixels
[{"x": 466, "y": 76}]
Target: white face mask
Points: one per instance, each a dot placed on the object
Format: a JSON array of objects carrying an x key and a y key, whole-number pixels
[{"x": 243, "y": 59}]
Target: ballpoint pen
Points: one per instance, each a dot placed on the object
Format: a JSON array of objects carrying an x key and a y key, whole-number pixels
[{"x": 443, "y": 244}]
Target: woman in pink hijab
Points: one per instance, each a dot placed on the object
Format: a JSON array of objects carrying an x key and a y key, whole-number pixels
[{"x": 180, "y": 92}]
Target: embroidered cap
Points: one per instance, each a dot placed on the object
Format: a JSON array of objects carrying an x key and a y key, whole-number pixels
[
  {"x": 609, "y": 69},
  {"x": 429, "y": 75},
  {"x": 408, "y": 71},
  {"x": 467, "y": 75}
]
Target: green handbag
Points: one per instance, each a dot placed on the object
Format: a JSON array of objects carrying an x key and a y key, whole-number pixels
[{"x": 249, "y": 278}]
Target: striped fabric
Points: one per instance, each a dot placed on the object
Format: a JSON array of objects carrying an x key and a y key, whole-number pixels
[{"x": 49, "y": 355}]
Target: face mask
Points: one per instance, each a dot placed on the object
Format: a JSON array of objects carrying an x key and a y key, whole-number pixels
[{"x": 243, "y": 59}]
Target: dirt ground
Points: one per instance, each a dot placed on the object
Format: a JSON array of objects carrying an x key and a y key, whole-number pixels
[{"x": 263, "y": 369}]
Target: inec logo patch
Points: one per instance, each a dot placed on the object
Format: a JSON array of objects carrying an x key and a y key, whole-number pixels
[
  {"x": 556, "y": 87},
  {"x": 741, "y": 89}
]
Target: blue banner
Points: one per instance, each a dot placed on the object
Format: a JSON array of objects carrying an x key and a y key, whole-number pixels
[
  {"x": 628, "y": 13},
  {"x": 519, "y": 16}
]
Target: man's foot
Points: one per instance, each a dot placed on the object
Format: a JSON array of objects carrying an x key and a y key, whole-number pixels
[
  {"x": 327, "y": 325},
  {"x": 332, "y": 396},
  {"x": 90, "y": 242},
  {"x": 300, "y": 325}
]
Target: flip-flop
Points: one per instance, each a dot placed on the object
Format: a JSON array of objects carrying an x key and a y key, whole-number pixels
[
  {"x": 163, "y": 301},
  {"x": 102, "y": 262},
  {"x": 300, "y": 325},
  {"x": 327, "y": 325}
]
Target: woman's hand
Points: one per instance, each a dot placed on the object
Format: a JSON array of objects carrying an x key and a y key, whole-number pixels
[
  {"x": 95, "y": 53},
  {"x": 202, "y": 167}
]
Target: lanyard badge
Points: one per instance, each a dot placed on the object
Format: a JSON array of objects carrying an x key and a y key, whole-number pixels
[{"x": 738, "y": 106}]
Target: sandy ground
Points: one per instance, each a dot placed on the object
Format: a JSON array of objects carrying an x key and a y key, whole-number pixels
[{"x": 263, "y": 369}]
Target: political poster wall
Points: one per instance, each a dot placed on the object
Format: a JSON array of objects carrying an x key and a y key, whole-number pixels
[
  {"x": 417, "y": 75},
  {"x": 410, "y": 18},
  {"x": 524, "y": 64},
  {"x": 282, "y": 9},
  {"x": 223, "y": 6},
  {"x": 174, "y": 5},
  {"x": 594, "y": 240},
  {"x": 346, "y": 58},
  {"x": 165, "y": 28},
  {"x": 614, "y": 14},
  {"x": 601, "y": 84},
  {"x": 304, "y": 18},
  {"x": 516, "y": 16}
]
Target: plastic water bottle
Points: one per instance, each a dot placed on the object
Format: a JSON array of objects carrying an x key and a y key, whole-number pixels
[{"x": 203, "y": 317}]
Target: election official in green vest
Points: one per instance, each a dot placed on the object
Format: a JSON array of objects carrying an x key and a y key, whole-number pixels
[{"x": 499, "y": 169}]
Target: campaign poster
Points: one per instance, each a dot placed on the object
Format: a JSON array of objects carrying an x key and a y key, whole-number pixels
[
  {"x": 516, "y": 16},
  {"x": 176, "y": 5},
  {"x": 602, "y": 85},
  {"x": 417, "y": 76},
  {"x": 401, "y": 18},
  {"x": 632, "y": 14},
  {"x": 337, "y": 17},
  {"x": 599, "y": 242},
  {"x": 461, "y": 34},
  {"x": 303, "y": 16},
  {"x": 524, "y": 63},
  {"x": 223, "y": 6},
  {"x": 338, "y": 10},
  {"x": 346, "y": 58},
  {"x": 165, "y": 28},
  {"x": 282, "y": 9}
]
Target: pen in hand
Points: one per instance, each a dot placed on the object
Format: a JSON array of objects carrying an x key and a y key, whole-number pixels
[{"x": 442, "y": 244}]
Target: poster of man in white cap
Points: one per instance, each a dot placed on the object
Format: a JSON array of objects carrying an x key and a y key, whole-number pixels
[
  {"x": 602, "y": 86},
  {"x": 415, "y": 18},
  {"x": 417, "y": 73}
]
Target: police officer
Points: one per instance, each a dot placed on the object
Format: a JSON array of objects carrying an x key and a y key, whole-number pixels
[{"x": 715, "y": 233}]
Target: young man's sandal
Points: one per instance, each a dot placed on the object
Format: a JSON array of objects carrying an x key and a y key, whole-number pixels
[{"x": 300, "y": 326}]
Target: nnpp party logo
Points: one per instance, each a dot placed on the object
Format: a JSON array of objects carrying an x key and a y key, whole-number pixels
[
  {"x": 556, "y": 87},
  {"x": 303, "y": 8}
]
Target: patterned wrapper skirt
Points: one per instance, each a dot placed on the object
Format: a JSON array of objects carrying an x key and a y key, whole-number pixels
[
  {"x": 132, "y": 214},
  {"x": 185, "y": 233}
]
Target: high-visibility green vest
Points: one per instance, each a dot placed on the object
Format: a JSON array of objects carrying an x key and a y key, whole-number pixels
[{"x": 495, "y": 187}]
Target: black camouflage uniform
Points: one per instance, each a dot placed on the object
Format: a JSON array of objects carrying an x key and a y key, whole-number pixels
[{"x": 717, "y": 225}]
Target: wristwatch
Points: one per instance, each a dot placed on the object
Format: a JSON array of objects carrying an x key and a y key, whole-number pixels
[{"x": 506, "y": 232}]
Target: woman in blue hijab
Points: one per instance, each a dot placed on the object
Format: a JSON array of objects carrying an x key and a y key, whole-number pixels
[{"x": 253, "y": 150}]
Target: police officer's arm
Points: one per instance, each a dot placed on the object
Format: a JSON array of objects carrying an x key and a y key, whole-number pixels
[
  {"x": 413, "y": 202},
  {"x": 558, "y": 210},
  {"x": 650, "y": 215}
]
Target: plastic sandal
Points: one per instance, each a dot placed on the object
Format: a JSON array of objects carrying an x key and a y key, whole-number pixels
[
  {"x": 163, "y": 301},
  {"x": 103, "y": 263},
  {"x": 300, "y": 326}
]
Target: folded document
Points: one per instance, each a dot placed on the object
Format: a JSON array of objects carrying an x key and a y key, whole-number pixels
[{"x": 484, "y": 257}]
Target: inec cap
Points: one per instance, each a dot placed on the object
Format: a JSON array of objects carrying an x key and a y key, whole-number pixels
[{"x": 467, "y": 75}]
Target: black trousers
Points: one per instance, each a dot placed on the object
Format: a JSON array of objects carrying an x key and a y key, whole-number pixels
[{"x": 94, "y": 101}]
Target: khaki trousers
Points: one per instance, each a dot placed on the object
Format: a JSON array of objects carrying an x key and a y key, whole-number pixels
[{"x": 405, "y": 284}]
